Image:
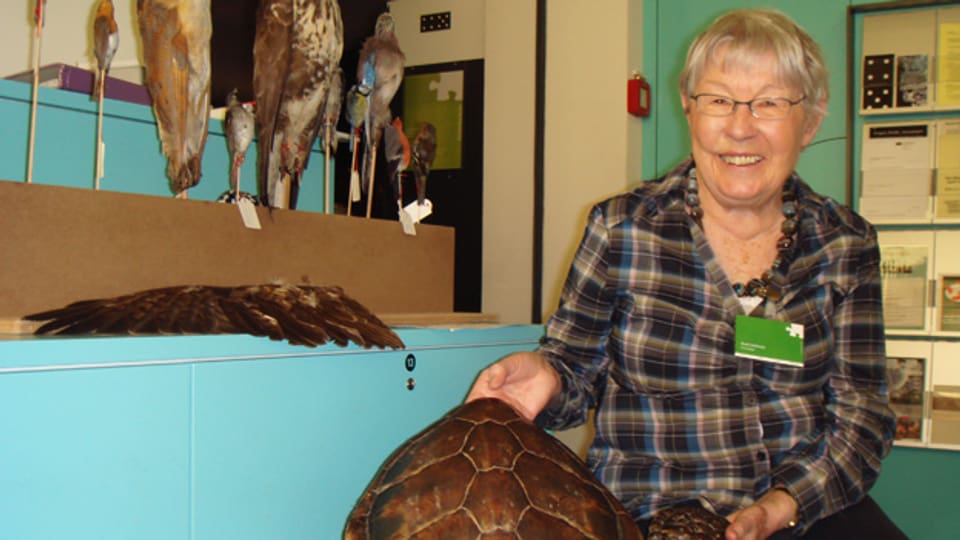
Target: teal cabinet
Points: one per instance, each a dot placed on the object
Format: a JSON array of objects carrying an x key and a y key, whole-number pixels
[{"x": 209, "y": 437}]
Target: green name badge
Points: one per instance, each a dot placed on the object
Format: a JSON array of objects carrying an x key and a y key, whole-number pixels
[{"x": 769, "y": 341}]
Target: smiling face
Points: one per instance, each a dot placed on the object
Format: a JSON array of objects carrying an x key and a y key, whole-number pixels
[{"x": 743, "y": 161}]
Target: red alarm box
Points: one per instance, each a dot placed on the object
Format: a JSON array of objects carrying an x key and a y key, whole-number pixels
[{"x": 638, "y": 96}]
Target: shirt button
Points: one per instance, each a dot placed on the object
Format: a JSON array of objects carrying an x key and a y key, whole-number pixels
[
  {"x": 750, "y": 400},
  {"x": 761, "y": 456}
]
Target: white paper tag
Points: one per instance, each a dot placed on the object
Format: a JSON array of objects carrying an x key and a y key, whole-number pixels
[
  {"x": 248, "y": 213},
  {"x": 406, "y": 222},
  {"x": 354, "y": 186},
  {"x": 417, "y": 212}
]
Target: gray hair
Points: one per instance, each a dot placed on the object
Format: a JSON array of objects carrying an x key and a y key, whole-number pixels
[{"x": 747, "y": 34}]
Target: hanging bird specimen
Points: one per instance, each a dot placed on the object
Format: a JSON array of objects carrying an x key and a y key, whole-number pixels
[
  {"x": 106, "y": 38},
  {"x": 331, "y": 113},
  {"x": 176, "y": 52},
  {"x": 396, "y": 152},
  {"x": 424, "y": 152},
  {"x": 380, "y": 70},
  {"x": 300, "y": 314},
  {"x": 296, "y": 51},
  {"x": 239, "y": 127}
]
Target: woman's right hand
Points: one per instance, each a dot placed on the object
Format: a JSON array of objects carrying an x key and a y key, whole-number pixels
[{"x": 525, "y": 380}]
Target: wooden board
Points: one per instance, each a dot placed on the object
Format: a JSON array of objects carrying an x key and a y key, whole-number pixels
[{"x": 63, "y": 244}]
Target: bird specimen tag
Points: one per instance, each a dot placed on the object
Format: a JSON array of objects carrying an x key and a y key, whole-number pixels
[
  {"x": 248, "y": 213},
  {"x": 417, "y": 212},
  {"x": 355, "y": 186},
  {"x": 407, "y": 223}
]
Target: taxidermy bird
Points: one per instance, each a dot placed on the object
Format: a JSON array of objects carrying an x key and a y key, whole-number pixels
[
  {"x": 176, "y": 51},
  {"x": 356, "y": 112},
  {"x": 296, "y": 51},
  {"x": 106, "y": 38},
  {"x": 105, "y": 41},
  {"x": 301, "y": 314},
  {"x": 331, "y": 114},
  {"x": 424, "y": 152},
  {"x": 396, "y": 152},
  {"x": 239, "y": 127},
  {"x": 380, "y": 69},
  {"x": 331, "y": 110}
]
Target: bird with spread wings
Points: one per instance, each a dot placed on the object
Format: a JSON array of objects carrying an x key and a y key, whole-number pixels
[{"x": 300, "y": 314}]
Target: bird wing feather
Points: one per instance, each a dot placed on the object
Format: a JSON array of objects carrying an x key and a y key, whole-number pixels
[{"x": 302, "y": 315}]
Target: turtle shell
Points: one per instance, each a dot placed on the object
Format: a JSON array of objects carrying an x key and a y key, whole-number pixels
[
  {"x": 687, "y": 523},
  {"x": 483, "y": 471}
]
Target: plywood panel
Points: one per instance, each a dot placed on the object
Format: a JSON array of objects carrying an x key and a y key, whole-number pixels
[{"x": 64, "y": 244}]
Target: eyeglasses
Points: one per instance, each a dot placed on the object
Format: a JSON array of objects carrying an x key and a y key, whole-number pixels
[{"x": 764, "y": 108}]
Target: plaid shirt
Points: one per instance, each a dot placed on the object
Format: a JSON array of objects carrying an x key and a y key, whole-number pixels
[{"x": 644, "y": 333}]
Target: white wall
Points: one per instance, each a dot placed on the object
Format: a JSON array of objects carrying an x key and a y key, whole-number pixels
[
  {"x": 509, "y": 63},
  {"x": 503, "y": 33},
  {"x": 592, "y": 144},
  {"x": 67, "y": 36},
  {"x": 463, "y": 41}
]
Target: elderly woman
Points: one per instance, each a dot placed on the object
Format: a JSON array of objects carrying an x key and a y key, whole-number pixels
[{"x": 725, "y": 320}]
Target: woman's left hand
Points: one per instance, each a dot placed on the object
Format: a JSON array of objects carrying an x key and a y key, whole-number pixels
[{"x": 769, "y": 514}]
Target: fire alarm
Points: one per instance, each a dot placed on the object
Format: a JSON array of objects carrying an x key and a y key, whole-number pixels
[{"x": 638, "y": 96}]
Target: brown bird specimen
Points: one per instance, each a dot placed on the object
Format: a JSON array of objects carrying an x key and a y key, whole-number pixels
[
  {"x": 296, "y": 56},
  {"x": 301, "y": 314},
  {"x": 176, "y": 51}
]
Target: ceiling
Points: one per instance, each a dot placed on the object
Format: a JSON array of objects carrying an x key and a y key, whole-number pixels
[{"x": 232, "y": 42}]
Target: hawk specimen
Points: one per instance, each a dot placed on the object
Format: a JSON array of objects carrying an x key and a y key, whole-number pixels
[
  {"x": 296, "y": 54},
  {"x": 301, "y": 314}
]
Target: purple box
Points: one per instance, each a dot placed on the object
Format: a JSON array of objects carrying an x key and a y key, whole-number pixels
[{"x": 77, "y": 79}]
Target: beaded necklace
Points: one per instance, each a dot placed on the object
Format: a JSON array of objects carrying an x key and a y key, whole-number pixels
[{"x": 762, "y": 286}]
